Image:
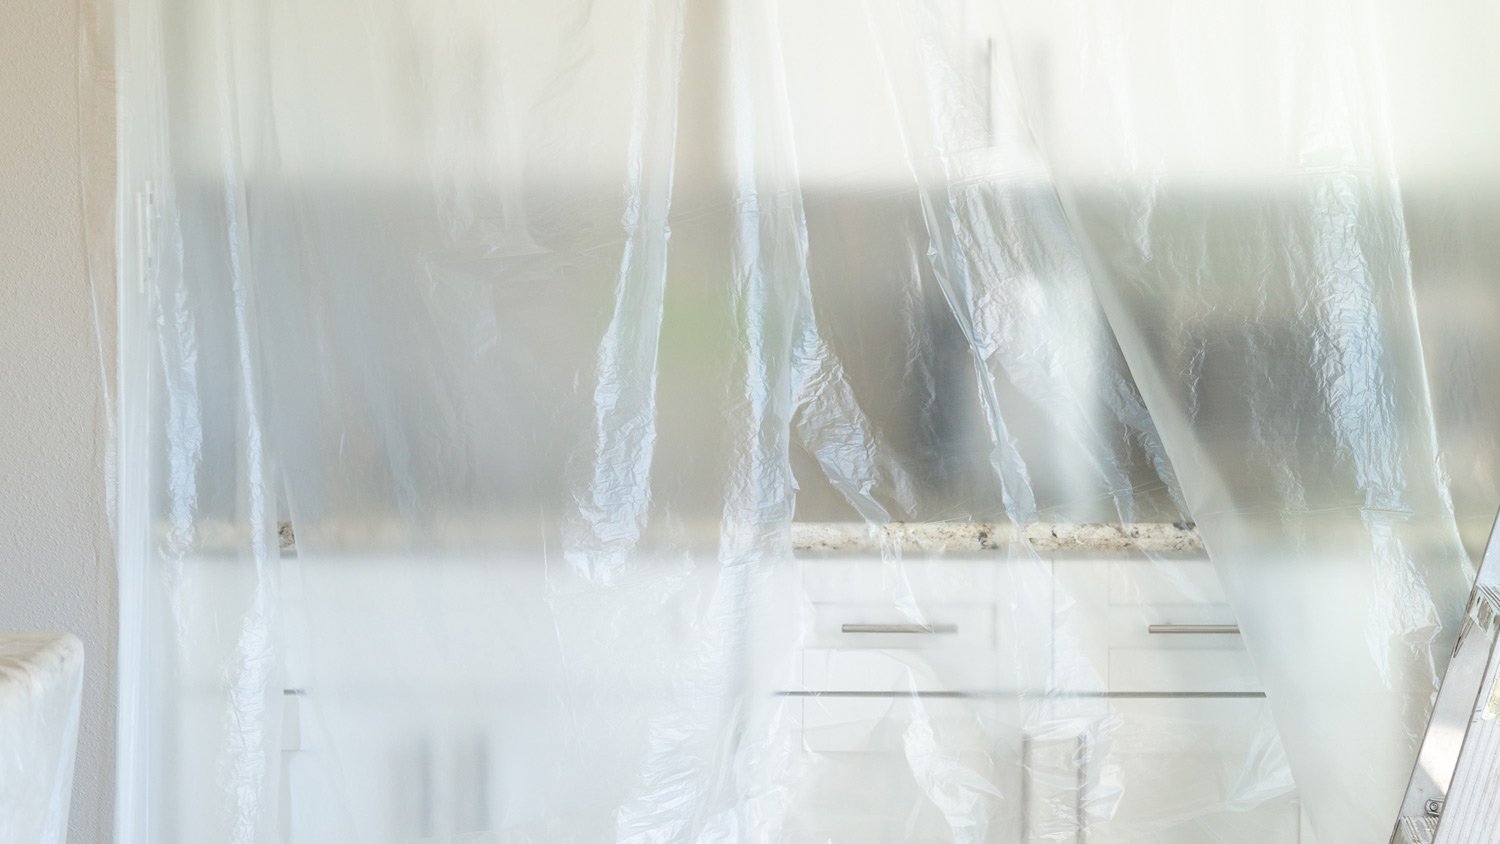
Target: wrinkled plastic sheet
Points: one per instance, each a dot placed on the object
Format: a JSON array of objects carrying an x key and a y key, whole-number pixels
[
  {"x": 686, "y": 413},
  {"x": 41, "y": 691}
]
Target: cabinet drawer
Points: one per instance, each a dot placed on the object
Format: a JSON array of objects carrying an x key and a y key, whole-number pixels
[
  {"x": 1141, "y": 625},
  {"x": 936, "y": 626},
  {"x": 1140, "y": 582},
  {"x": 1136, "y": 582},
  {"x": 992, "y": 578},
  {"x": 953, "y": 647}
]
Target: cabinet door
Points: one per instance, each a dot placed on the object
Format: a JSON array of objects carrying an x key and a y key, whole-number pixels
[
  {"x": 1137, "y": 626},
  {"x": 1174, "y": 771},
  {"x": 905, "y": 768}
]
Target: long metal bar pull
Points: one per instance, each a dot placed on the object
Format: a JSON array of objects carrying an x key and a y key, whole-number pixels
[
  {"x": 899, "y": 628},
  {"x": 1453, "y": 796},
  {"x": 1195, "y": 629}
]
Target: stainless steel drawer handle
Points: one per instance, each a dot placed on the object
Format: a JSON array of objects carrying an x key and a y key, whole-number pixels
[
  {"x": 899, "y": 628},
  {"x": 1220, "y": 629}
]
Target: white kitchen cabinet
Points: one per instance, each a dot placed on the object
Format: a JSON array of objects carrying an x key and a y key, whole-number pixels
[
  {"x": 973, "y": 698},
  {"x": 1030, "y": 700}
]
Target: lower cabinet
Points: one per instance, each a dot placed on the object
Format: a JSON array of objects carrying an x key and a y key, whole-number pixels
[{"x": 1078, "y": 699}]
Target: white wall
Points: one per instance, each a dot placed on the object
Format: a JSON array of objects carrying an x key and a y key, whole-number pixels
[{"x": 56, "y": 561}]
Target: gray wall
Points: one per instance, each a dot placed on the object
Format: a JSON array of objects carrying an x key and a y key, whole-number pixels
[{"x": 56, "y": 560}]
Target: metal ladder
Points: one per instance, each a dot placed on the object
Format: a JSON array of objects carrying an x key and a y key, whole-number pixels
[{"x": 1454, "y": 793}]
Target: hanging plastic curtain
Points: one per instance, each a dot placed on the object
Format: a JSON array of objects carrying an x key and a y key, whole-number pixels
[
  {"x": 617, "y": 420},
  {"x": 1246, "y": 182}
]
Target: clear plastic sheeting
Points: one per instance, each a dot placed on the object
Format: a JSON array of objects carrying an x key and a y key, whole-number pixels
[
  {"x": 41, "y": 691},
  {"x": 1249, "y": 228},
  {"x": 744, "y": 421}
]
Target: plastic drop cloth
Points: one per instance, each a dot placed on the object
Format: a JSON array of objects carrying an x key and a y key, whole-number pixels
[
  {"x": 685, "y": 412},
  {"x": 41, "y": 690}
]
